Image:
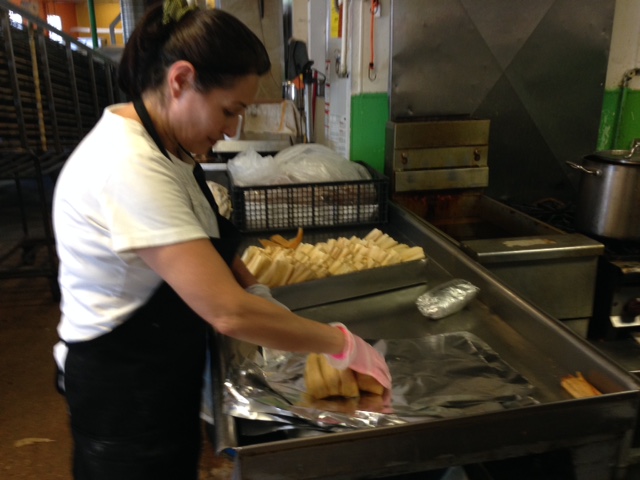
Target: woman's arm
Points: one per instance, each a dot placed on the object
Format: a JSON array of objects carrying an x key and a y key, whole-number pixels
[
  {"x": 242, "y": 274},
  {"x": 198, "y": 274}
]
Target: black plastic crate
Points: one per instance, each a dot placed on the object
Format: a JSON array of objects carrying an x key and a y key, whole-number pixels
[{"x": 310, "y": 205}]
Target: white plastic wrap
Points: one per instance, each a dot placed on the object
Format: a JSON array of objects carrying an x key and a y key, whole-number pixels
[
  {"x": 315, "y": 163},
  {"x": 304, "y": 163},
  {"x": 251, "y": 168}
]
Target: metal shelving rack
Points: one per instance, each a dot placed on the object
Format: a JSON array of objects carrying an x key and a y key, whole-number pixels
[{"x": 51, "y": 94}]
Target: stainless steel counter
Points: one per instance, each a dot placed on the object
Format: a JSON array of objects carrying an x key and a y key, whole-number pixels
[{"x": 381, "y": 304}]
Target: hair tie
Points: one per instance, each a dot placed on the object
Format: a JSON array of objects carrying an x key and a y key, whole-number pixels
[{"x": 174, "y": 10}]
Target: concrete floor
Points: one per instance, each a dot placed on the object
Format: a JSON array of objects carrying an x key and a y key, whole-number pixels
[
  {"x": 30, "y": 408},
  {"x": 35, "y": 442}
]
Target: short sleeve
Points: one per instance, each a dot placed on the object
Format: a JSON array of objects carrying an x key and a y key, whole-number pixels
[{"x": 150, "y": 200}]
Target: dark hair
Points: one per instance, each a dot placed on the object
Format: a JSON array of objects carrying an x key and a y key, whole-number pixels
[{"x": 219, "y": 46}]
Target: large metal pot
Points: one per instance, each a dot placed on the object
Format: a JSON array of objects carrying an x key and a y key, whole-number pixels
[{"x": 609, "y": 194}]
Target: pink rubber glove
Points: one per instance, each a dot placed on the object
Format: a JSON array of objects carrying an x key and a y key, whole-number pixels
[{"x": 358, "y": 355}]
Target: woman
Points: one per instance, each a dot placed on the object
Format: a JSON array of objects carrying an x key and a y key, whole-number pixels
[{"x": 146, "y": 262}]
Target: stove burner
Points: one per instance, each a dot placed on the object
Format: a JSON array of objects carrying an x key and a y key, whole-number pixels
[
  {"x": 618, "y": 251},
  {"x": 551, "y": 211},
  {"x": 561, "y": 215}
]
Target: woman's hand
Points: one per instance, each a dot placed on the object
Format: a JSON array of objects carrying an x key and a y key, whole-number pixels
[{"x": 361, "y": 357}]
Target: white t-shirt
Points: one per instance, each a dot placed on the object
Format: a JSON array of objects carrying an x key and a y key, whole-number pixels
[{"x": 118, "y": 192}]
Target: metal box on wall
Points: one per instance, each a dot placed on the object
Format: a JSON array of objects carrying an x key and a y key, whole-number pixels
[{"x": 437, "y": 155}]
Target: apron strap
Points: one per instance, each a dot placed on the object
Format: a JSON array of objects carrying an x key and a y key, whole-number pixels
[
  {"x": 143, "y": 113},
  {"x": 198, "y": 172}
]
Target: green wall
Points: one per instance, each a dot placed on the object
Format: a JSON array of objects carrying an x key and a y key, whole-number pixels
[
  {"x": 619, "y": 126},
  {"x": 369, "y": 115},
  {"x": 620, "y": 121}
]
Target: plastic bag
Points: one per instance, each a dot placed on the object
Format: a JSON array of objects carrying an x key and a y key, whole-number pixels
[
  {"x": 250, "y": 168},
  {"x": 446, "y": 299},
  {"x": 315, "y": 163},
  {"x": 304, "y": 163}
]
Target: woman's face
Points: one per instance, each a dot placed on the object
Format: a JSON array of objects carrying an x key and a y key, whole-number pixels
[{"x": 199, "y": 119}]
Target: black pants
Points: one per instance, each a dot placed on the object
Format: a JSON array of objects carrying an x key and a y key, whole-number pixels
[{"x": 134, "y": 397}]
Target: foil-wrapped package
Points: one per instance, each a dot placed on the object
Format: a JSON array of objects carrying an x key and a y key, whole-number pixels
[{"x": 446, "y": 299}]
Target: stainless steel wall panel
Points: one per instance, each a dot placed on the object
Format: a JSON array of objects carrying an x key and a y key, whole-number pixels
[
  {"x": 535, "y": 69},
  {"x": 440, "y": 63}
]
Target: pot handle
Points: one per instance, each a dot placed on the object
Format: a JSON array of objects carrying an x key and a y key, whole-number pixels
[
  {"x": 595, "y": 172},
  {"x": 634, "y": 148}
]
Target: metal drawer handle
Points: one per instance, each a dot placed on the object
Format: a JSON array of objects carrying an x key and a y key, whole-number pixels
[{"x": 595, "y": 172}]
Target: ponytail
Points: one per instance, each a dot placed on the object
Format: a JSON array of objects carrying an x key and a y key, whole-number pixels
[
  {"x": 219, "y": 46},
  {"x": 139, "y": 63}
]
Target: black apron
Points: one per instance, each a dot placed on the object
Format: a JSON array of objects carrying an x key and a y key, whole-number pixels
[{"x": 134, "y": 393}]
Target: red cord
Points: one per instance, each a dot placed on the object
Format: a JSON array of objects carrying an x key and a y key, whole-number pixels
[{"x": 374, "y": 8}]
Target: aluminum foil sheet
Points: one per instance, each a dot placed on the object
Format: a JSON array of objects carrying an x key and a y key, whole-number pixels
[{"x": 437, "y": 376}]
